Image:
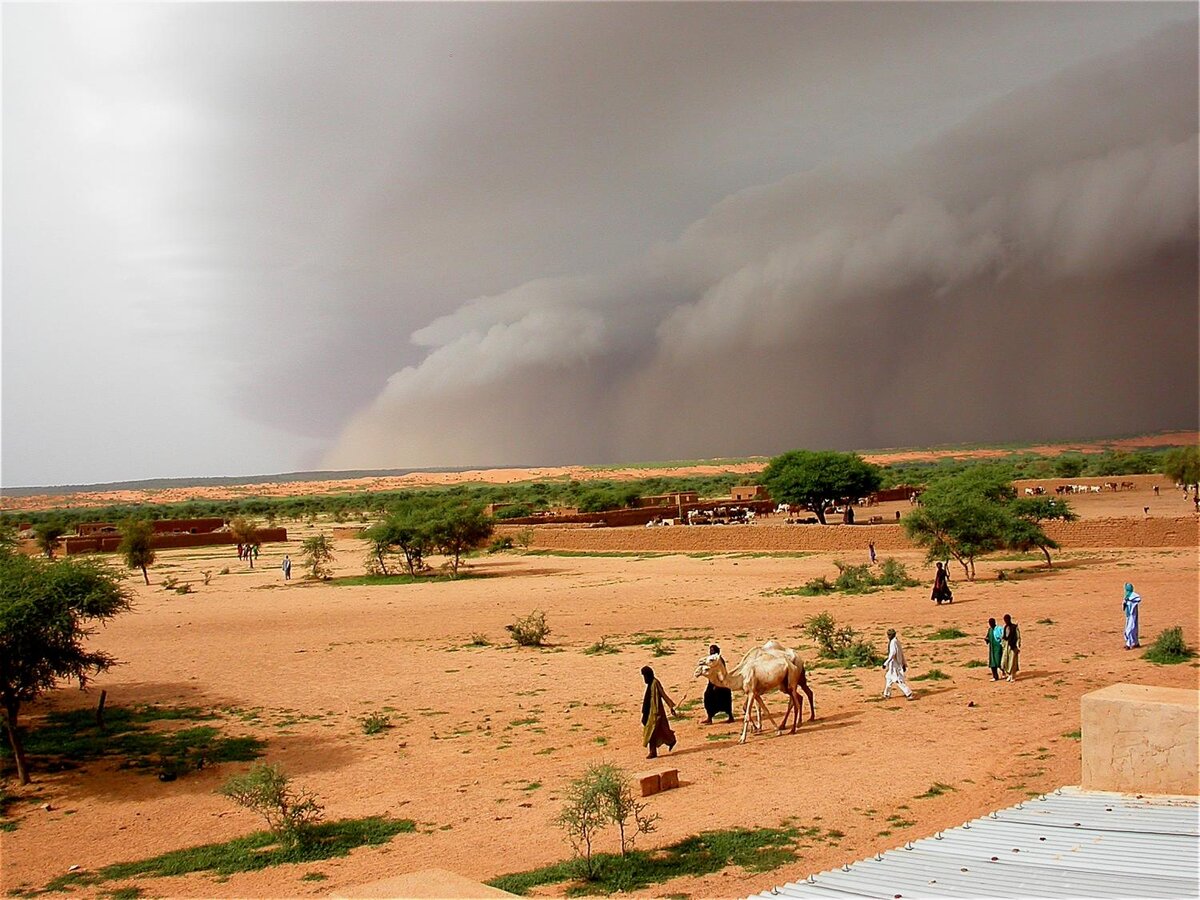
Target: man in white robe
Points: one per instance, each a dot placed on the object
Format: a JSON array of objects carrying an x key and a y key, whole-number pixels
[{"x": 895, "y": 667}]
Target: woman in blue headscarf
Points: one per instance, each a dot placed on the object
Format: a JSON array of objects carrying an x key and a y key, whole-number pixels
[{"x": 1132, "y": 599}]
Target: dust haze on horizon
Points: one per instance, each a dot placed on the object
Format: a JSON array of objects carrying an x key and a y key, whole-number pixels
[{"x": 272, "y": 237}]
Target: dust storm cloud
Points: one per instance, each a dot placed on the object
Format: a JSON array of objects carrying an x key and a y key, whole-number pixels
[{"x": 1030, "y": 273}]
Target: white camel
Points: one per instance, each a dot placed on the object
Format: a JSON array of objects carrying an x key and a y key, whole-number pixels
[{"x": 763, "y": 669}]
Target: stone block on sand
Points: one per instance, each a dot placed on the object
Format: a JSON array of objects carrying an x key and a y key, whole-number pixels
[{"x": 651, "y": 784}]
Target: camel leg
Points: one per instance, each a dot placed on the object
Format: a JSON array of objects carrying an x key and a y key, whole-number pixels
[
  {"x": 746, "y": 716},
  {"x": 807, "y": 690}
]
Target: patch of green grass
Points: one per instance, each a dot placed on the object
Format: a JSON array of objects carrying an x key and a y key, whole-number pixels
[
  {"x": 530, "y": 720},
  {"x": 69, "y": 738},
  {"x": 251, "y": 853},
  {"x": 1169, "y": 648},
  {"x": 125, "y": 893},
  {"x": 374, "y": 580},
  {"x": 932, "y": 675},
  {"x": 622, "y": 554},
  {"x": 314, "y": 876},
  {"x": 935, "y": 790},
  {"x": 755, "y": 851},
  {"x": 602, "y": 647},
  {"x": 1046, "y": 622},
  {"x": 532, "y": 786},
  {"x": 1073, "y": 735},
  {"x": 375, "y": 723},
  {"x": 947, "y": 634},
  {"x": 975, "y": 664}
]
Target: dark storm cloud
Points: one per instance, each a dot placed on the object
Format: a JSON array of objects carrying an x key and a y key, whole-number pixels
[
  {"x": 1032, "y": 271},
  {"x": 267, "y": 222}
]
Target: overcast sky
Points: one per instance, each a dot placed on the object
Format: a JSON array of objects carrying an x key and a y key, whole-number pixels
[{"x": 254, "y": 238}]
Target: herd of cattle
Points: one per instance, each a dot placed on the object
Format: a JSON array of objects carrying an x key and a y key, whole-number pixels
[{"x": 1082, "y": 488}]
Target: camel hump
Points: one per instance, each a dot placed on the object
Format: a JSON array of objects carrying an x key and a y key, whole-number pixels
[{"x": 745, "y": 660}]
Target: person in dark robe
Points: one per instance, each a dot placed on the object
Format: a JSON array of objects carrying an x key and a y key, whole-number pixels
[
  {"x": 656, "y": 731},
  {"x": 941, "y": 586},
  {"x": 717, "y": 699}
]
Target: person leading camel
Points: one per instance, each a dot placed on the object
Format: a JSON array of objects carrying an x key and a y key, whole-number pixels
[
  {"x": 655, "y": 729},
  {"x": 718, "y": 698}
]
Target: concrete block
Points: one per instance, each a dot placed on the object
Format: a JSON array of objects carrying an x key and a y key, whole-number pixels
[
  {"x": 651, "y": 784},
  {"x": 669, "y": 780},
  {"x": 1141, "y": 739}
]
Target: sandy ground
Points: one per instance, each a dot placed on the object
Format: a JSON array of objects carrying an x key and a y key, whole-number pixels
[
  {"x": 512, "y": 475},
  {"x": 486, "y": 738}
]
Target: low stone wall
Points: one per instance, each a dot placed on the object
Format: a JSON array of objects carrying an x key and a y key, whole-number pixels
[
  {"x": 1141, "y": 739},
  {"x": 771, "y": 537}
]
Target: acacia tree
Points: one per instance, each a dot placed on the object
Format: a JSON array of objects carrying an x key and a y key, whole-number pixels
[
  {"x": 456, "y": 530},
  {"x": 45, "y": 608},
  {"x": 818, "y": 478},
  {"x": 1183, "y": 465},
  {"x": 136, "y": 537},
  {"x": 47, "y": 535},
  {"x": 407, "y": 530},
  {"x": 318, "y": 554},
  {"x": 976, "y": 512}
]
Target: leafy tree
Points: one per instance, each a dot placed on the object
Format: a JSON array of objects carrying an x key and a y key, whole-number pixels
[
  {"x": 976, "y": 511},
  {"x": 410, "y": 532},
  {"x": 818, "y": 478},
  {"x": 318, "y": 554},
  {"x": 1183, "y": 466},
  {"x": 47, "y": 535},
  {"x": 1069, "y": 465},
  {"x": 245, "y": 532},
  {"x": 455, "y": 530},
  {"x": 1024, "y": 532},
  {"x": 44, "y": 610},
  {"x": 136, "y": 536}
]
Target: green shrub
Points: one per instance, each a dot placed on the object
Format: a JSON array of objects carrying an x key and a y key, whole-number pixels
[
  {"x": 844, "y": 643},
  {"x": 375, "y": 723},
  {"x": 289, "y": 813},
  {"x": 933, "y": 675},
  {"x": 947, "y": 634},
  {"x": 852, "y": 579},
  {"x": 531, "y": 631},
  {"x": 815, "y": 587},
  {"x": 479, "y": 639},
  {"x": 500, "y": 544},
  {"x": 1169, "y": 648},
  {"x": 602, "y": 647},
  {"x": 893, "y": 574}
]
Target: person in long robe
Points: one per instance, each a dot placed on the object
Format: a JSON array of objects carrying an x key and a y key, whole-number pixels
[
  {"x": 717, "y": 699},
  {"x": 1132, "y": 600},
  {"x": 1010, "y": 657},
  {"x": 995, "y": 645},
  {"x": 656, "y": 731},
  {"x": 895, "y": 667},
  {"x": 941, "y": 586}
]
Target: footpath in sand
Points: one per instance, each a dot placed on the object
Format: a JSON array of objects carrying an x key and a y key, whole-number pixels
[{"x": 486, "y": 738}]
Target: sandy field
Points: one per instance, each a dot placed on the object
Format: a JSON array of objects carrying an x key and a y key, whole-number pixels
[{"x": 485, "y": 738}]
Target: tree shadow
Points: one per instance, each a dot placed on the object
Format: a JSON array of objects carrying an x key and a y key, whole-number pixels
[{"x": 112, "y": 776}]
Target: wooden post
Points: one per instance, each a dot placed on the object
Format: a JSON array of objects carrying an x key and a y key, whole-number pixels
[{"x": 100, "y": 710}]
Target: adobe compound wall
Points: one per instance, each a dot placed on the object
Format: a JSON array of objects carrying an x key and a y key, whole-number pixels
[
  {"x": 771, "y": 537},
  {"x": 1141, "y": 739}
]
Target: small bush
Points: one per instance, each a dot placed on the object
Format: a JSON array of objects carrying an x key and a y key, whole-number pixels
[
  {"x": 500, "y": 544},
  {"x": 602, "y": 796},
  {"x": 531, "y": 631},
  {"x": 375, "y": 723},
  {"x": 602, "y": 647},
  {"x": 1169, "y": 648},
  {"x": 816, "y": 587},
  {"x": 933, "y": 675},
  {"x": 224, "y": 571},
  {"x": 185, "y": 588},
  {"x": 893, "y": 574},
  {"x": 975, "y": 664},
  {"x": 479, "y": 639},
  {"x": 861, "y": 653},
  {"x": 853, "y": 579},
  {"x": 290, "y": 813},
  {"x": 524, "y": 538},
  {"x": 947, "y": 634},
  {"x": 844, "y": 643},
  {"x": 207, "y": 573},
  {"x": 170, "y": 583}
]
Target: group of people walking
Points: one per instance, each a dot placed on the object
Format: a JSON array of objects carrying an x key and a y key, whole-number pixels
[{"x": 1004, "y": 648}]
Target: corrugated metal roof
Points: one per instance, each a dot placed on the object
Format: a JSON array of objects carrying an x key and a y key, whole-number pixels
[{"x": 1071, "y": 843}]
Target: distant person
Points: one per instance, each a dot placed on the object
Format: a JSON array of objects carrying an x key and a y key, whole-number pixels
[
  {"x": 995, "y": 644},
  {"x": 871, "y": 552},
  {"x": 848, "y": 515},
  {"x": 655, "y": 729},
  {"x": 1130, "y": 606},
  {"x": 717, "y": 699},
  {"x": 941, "y": 586},
  {"x": 1010, "y": 657},
  {"x": 1146, "y": 511},
  {"x": 1156, "y": 490},
  {"x": 895, "y": 667},
  {"x": 287, "y": 567}
]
